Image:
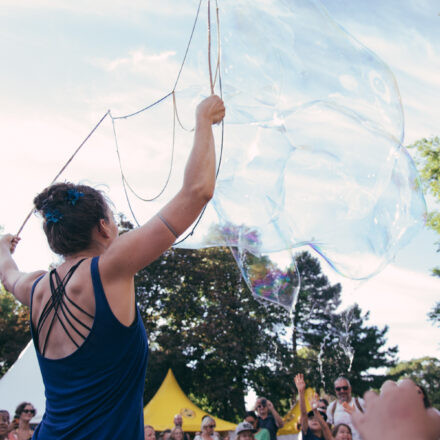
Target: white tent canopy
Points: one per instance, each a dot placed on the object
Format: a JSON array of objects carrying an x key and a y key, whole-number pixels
[{"x": 23, "y": 383}]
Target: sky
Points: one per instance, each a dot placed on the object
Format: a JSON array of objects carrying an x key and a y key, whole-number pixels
[
  {"x": 406, "y": 35},
  {"x": 66, "y": 63}
]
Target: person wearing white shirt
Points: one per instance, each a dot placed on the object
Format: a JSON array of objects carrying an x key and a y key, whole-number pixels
[{"x": 340, "y": 410}]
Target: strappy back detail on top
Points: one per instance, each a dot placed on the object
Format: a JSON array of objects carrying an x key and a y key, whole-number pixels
[
  {"x": 58, "y": 307},
  {"x": 96, "y": 391}
]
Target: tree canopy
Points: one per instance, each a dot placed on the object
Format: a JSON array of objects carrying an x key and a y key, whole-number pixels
[
  {"x": 205, "y": 324},
  {"x": 428, "y": 164},
  {"x": 14, "y": 329}
]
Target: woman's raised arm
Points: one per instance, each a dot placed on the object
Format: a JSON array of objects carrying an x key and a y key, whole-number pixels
[{"x": 137, "y": 248}]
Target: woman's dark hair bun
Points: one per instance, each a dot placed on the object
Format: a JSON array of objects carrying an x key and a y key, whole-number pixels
[
  {"x": 70, "y": 212},
  {"x": 51, "y": 196}
]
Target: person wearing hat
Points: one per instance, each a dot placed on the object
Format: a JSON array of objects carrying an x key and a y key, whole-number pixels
[
  {"x": 244, "y": 431},
  {"x": 313, "y": 423}
]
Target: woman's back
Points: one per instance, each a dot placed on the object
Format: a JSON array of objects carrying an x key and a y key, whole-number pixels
[
  {"x": 88, "y": 389},
  {"x": 63, "y": 309}
]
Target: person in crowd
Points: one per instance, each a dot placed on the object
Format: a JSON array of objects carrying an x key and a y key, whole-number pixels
[
  {"x": 398, "y": 413},
  {"x": 207, "y": 429},
  {"x": 178, "y": 421},
  {"x": 323, "y": 404},
  {"x": 177, "y": 433},
  {"x": 342, "y": 432},
  {"x": 149, "y": 433},
  {"x": 244, "y": 431},
  {"x": 340, "y": 410},
  {"x": 89, "y": 336},
  {"x": 165, "y": 434},
  {"x": 259, "y": 432},
  {"x": 268, "y": 417},
  {"x": 4, "y": 424},
  {"x": 24, "y": 412},
  {"x": 312, "y": 422},
  {"x": 226, "y": 436}
]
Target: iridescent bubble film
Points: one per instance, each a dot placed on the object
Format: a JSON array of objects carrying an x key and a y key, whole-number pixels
[
  {"x": 272, "y": 278},
  {"x": 312, "y": 141}
]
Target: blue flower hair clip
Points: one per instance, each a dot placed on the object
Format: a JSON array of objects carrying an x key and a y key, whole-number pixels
[
  {"x": 73, "y": 196},
  {"x": 53, "y": 216}
]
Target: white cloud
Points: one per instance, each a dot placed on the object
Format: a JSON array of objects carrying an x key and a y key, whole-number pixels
[
  {"x": 137, "y": 60},
  {"x": 109, "y": 8}
]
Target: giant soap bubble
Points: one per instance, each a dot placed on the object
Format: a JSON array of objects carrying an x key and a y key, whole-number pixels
[{"x": 312, "y": 141}]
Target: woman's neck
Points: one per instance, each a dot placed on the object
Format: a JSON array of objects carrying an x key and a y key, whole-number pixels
[
  {"x": 95, "y": 249},
  {"x": 23, "y": 425}
]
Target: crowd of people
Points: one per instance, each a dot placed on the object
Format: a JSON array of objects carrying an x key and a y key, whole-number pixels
[
  {"x": 402, "y": 410},
  {"x": 19, "y": 428},
  {"x": 353, "y": 418},
  {"x": 399, "y": 411}
]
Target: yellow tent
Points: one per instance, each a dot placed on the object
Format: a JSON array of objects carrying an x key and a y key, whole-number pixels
[
  {"x": 292, "y": 417},
  {"x": 171, "y": 400}
]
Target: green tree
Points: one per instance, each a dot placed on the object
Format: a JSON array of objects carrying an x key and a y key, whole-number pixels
[
  {"x": 349, "y": 347},
  {"x": 364, "y": 348},
  {"x": 327, "y": 344},
  {"x": 204, "y": 324},
  {"x": 14, "y": 329},
  {"x": 428, "y": 164},
  {"x": 313, "y": 314},
  {"x": 317, "y": 302},
  {"x": 311, "y": 318},
  {"x": 424, "y": 371}
]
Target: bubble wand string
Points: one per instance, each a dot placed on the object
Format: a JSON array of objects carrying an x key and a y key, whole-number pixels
[
  {"x": 175, "y": 116},
  {"x": 119, "y": 117},
  {"x": 209, "y": 48},
  {"x": 125, "y": 183},
  {"x": 64, "y": 167},
  {"x": 212, "y": 84}
]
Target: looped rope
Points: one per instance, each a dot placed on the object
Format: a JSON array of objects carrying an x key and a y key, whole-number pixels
[
  {"x": 212, "y": 81},
  {"x": 65, "y": 166}
]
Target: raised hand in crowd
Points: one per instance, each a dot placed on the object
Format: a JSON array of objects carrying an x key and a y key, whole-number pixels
[
  {"x": 300, "y": 383},
  {"x": 312, "y": 422}
]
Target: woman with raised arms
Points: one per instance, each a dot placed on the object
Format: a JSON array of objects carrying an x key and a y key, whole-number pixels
[{"x": 89, "y": 337}]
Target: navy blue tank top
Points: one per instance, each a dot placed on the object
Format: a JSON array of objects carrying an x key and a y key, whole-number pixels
[{"x": 96, "y": 392}]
